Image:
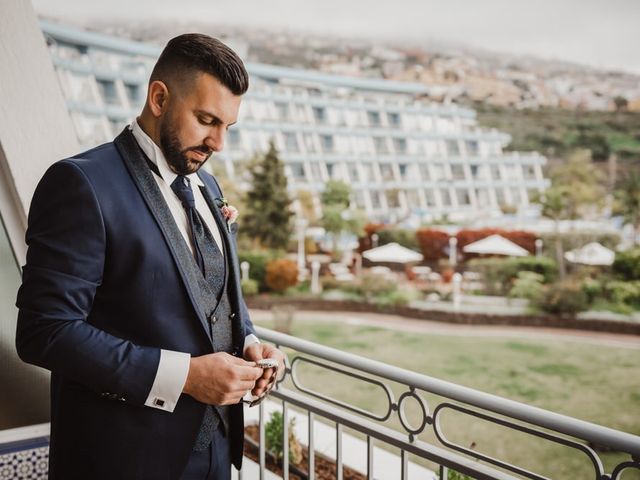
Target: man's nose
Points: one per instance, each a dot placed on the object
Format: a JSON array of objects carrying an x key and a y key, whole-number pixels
[{"x": 215, "y": 139}]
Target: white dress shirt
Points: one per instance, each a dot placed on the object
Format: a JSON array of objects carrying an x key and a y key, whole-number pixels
[{"x": 174, "y": 366}]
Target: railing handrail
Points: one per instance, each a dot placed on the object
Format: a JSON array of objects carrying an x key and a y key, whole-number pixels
[{"x": 597, "y": 434}]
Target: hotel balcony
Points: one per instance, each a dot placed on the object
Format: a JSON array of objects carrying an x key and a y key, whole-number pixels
[{"x": 393, "y": 442}]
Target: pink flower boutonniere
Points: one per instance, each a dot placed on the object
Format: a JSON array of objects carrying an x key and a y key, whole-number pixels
[{"x": 229, "y": 212}]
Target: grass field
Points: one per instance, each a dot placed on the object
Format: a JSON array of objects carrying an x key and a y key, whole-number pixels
[{"x": 600, "y": 384}]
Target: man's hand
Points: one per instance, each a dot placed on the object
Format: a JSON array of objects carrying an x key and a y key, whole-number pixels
[
  {"x": 258, "y": 351},
  {"x": 220, "y": 378}
]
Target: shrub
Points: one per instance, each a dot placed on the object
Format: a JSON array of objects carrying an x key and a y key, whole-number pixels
[
  {"x": 257, "y": 260},
  {"x": 528, "y": 285},
  {"x": 281, "y": 274},
  {"x": 627, "y": 264},
  {"x": 372, "y": 285},
  {"x": 273, "y": 435},
  {"x": 544, "y": 266},
  {"x": 396, "y": 298},
  {"x": 249, "y": 287},
  {"x": 563, "y": 298},
  {"x": 592, "y": 288},
  {"x": 499, "y": 273},
  {"x": 433, "y": 243},
  {"x": 627, "y": 293}
]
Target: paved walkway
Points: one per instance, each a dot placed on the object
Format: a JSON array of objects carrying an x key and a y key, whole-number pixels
[{"x": 395, "y": 322}]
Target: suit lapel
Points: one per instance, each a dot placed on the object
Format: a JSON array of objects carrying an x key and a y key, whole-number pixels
[
  {"x": 233, "y": 275},
  {"x": 143, "y": 177}
]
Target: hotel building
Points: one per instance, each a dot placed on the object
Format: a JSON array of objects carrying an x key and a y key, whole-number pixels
[{"x": 404, "y": 156}]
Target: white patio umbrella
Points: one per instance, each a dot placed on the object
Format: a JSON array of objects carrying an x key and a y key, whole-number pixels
[
  {"x": 392, "y": 253},
  {"x": 496, "y": 245},
  {"x": 591, "y": 254}
]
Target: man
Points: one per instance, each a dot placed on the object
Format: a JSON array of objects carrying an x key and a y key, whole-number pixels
[{"x": 130, "y": 292}]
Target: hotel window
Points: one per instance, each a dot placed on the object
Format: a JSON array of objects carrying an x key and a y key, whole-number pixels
[
  {"x": 482, "y": 197},
  {"x": 374, "y": 118},
  {"x": 413, "y": 199},
  {"x": 316, "y": 174},
  {"x": 453, "y": 149},
  {"x": 297, "y": 171},
  {"x": 327, "y": 143},
  {"x": 425, "y": 175},
  {"x": 359, "y": 199},
  {"x": 404, "y": 169},
  {"x": 392, "y": 198},
  {"x": 495, "y": 172},
  {"x": 474, "y": 171},
  {"x": 291, "y": 142},
  {"x": 376, "y": 200},
  {"x": 380, "y": 145},
  {"x": 233, "y": 137},
  {"x": 516, "y": 196},
  {"x": 309, "y": 143},
  {"x": 462, "y": 195},
  {"x": 134, "y": 94},
  {"x": 400, "y": 145},
  {"x": 331, "y": 168},
  {"x": 439, "y": 172},
  {"x": 394, "y": 119},
  {"x": 529, "y": 172},
  {"x": 282, "y": 110},
  {"x": 386, "y": 172},
  {"x": 108, "y": 92},
  {"x": 116, "y": 126},
  {"x": 472, "y": 147},
  {"x": 430, "y": 197},
  {"x": 457, "y": 171},
  {"x": 501, "y": 199},
  {"x": 445, "y": 195},
  {"x": 320, "y": 114},
  {"x": 368, "y": 174},
  {"x": 354, "y": 177}
]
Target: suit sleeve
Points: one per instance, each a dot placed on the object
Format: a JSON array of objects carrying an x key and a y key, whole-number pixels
[{"x": 65, "y": 259}]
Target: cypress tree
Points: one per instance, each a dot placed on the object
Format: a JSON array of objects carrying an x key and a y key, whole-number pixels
[{"x": 268, "y": 216}]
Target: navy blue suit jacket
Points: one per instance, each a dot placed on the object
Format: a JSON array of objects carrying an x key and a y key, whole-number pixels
[{"x": 102, "y": 293}]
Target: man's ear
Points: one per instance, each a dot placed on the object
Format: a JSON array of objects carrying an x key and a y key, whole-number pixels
[{"x": 158, "y": 97}]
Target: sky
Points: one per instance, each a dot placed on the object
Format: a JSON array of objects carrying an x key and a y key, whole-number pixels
[{"x": 600, "y": 33}]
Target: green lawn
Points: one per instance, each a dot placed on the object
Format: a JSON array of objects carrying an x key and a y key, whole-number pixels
[{"x": 595, "y": 383}]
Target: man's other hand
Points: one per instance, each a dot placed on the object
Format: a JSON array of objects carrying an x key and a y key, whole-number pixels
[
  {"x": 220, "y": 378},
  {"x": 258, "y": 351}
]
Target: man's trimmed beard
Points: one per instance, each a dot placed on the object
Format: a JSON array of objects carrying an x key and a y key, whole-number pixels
[{"x": 176, "y": 154}]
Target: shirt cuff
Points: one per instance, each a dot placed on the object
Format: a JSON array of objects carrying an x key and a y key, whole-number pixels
[
  {"x": 249, "y": 340},
  {"x": 171, "y": 376}
]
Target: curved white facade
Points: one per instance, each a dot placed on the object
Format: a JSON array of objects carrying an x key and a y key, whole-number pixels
[{"x": 404, "y": 157}]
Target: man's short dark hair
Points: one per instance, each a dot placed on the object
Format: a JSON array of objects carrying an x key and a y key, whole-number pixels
[{"x": 192, "y": 53}]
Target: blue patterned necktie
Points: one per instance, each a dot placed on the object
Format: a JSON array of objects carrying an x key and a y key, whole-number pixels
[
  {"x": 205, "y": 250},
  {"x": 212, "y": 265}
]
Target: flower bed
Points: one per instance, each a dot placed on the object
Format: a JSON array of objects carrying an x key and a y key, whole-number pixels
[{"x": 325, "y": 468}]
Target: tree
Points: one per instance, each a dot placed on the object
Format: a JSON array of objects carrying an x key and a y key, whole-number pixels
[
  {"x": 620, "y": 102},
  {"x": 336, "y": 193},
  {"x": 268, "y": 217},
  {"x": 336, "y": 216},
  {"x": 576, "y": 191},
  {"x": 628, "y": 201}
]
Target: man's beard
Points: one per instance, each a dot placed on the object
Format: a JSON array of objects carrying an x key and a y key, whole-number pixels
[{"x": 176, "y": 155}]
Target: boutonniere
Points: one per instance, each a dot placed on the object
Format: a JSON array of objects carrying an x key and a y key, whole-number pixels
[{"x": 229, "y": 212}]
